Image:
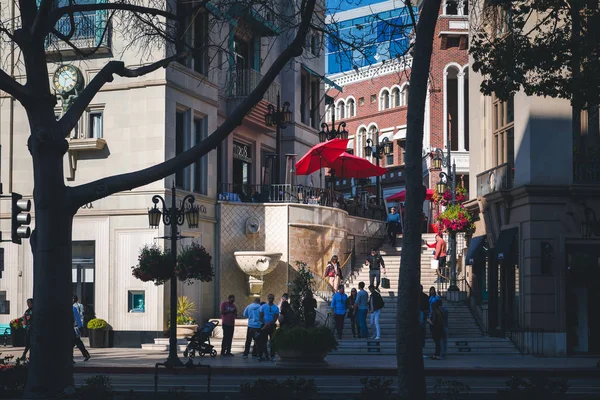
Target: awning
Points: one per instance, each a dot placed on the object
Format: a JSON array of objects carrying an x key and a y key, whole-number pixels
[
  {"x": 504, "y": 244},
  {"x": 475, "y": 248},
  {"x": 401, "y": 134},
  {"x": 257, "y": 22},
  {"x": 323, "y": 78},
  {"x": 385, "y": 135},
  {"x": 351, "y": 144}
]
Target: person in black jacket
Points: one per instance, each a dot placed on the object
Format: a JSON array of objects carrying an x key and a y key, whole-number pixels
[
  {"x": 423, "y": 313},
  {"x": 375, "y": 263},
  {"x": 375, "y": 306}
]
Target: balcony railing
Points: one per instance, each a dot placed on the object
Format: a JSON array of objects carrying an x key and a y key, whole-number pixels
[
  {"x": 495, "y": 179},
  {"x": 89, "y": 33},
  {"x": 286, "y": 193},
  {"x": 244, "y": 81}
]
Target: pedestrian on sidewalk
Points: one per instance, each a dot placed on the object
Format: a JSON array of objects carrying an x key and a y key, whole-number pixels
[
  {"x": 394, "y": 226},
  {"x": 77, "y": 324},
  {"x": 361, "y": 308},
  {"x": 423, "y": 315},
  {"x": 376, "y": 264},
  {"x": 285, "y": 313},
  {"x": 437, "y": 328},
  {"x": 228, "y": 315},
  {"x": 440, "y": 255},
  {"x": 269, "y": 314},
  {"x": 445, "y": 314},
  {"x": 338, "y": 306},
  {"x": 433, "y": 297},
  {"x": 28, "y": 321},
  {"x": 375, "y": 306},
  {"x": 252, "y": 312},
  {"x": 309, "y": 305},
  {"x": 334, "y": 272},
  {"x": 352, "y": 313}
]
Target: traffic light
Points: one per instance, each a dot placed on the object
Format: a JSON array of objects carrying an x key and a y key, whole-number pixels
[{"x": 20, "y": 218}]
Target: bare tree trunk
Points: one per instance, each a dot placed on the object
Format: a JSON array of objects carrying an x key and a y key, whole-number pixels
[
  {"x": 411, "y": 374},
  {"x": 51, "y": 353}
]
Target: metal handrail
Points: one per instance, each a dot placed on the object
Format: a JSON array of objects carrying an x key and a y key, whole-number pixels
[
  {"x": 527, "y": 341},
  {"x": 478, "y": 312}
]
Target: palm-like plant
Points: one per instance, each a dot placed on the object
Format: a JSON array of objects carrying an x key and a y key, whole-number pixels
[{"x": 185, "y": 307}]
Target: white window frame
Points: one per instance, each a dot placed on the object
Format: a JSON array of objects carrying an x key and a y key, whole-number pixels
[{"x": 89, "y": 134}]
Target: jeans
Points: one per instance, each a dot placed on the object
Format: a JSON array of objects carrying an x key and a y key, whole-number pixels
[
  {"x": 375, "y": 322},
  {"x": 437, "y": 340},
  {"x": 77, "y": 342},
  {"x": 442, "y": 266},
  {"x": 265, "y": 335},
  {"x": 374, "y": 275},
  {"x": 339, "y": 324},
  {"x": 392, "y": 232},
  {"x": 227, "y": 339},
  {"x": 355, "y": 326},
  {"x": 423, "y": 324},
  {"x": 249, "y": 338},
  {"x": 362, "y": 322},
  {"x": 444, "y": 343}
]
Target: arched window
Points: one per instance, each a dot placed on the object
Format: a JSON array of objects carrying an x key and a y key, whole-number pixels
[
  {"x": 456, "y": 7},
  {"x": 351, "y": 108},
  {"x": 404, "y": 96},
  {"x": 341, "y": 110},
  {"x": 384, "y": 100},
  {"x": 371, "y": 135},
  {"x": 361, "y": 142},
  {"x": 327, "y": 113},
  {"x": 395, "y": 97}
]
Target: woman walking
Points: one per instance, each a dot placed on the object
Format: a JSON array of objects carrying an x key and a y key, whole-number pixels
[
  {"x": 352, "y": 313},
  {"x": 27, "y": 317},
  {"x": 334, "y": 272},
  {"x": 437, "y": 328}
]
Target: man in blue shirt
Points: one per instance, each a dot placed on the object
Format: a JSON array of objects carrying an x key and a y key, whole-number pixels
[
  {"x": 362, "y": 308},
  {"x": 252, "y": 312},
  {"x": 338, "y": 305},
  {"x": 394, "y": 225},
  {"x": 77, "y": 325},
  {"x": 269, "y": 314}
]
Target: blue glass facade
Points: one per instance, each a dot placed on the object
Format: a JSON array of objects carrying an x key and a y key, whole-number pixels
[{"x": 367, "y": 40}]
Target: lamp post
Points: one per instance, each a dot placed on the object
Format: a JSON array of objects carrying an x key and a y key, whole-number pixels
[
  {"x": 174, "y": 216},
  {"x": 328, "y": 133},
  {"x": 438, "y": 162},
  {"x": 386, "y": 147},
  {"x": 278, "y": 117}
]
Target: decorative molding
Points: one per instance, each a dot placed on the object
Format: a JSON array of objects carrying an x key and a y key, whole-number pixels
[{"x": 370, "y": 72}]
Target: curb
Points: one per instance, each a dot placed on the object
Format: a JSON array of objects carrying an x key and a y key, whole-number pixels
[{"x": 445, "y": 372}]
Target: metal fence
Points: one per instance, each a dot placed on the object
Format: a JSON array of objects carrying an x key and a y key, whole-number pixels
[
  {"x": 244, "y": 81},
  {"x": 527, "y": 341}
]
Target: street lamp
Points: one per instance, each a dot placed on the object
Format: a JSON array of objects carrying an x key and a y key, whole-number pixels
[
  {"x": 278, "y": 117},
  {"x": 385, "y": 147},
  {"x": 438, "y": 162},
  {"x": 174, "y": 217},
  {"x": 332, "y": 133}
]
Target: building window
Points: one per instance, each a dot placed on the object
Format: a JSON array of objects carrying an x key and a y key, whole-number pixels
[
  {"x": 95, "y": 125},
  {"x": 180, "y": 133},
  {"x": 384, "y": 100},
  {"x": 503, "y": 143},
  {"x": 192, "y": 34},
  {"x": 315, "y": 90},
  {"x": 200, "y": 167},
  {"x": 91, "y": 28},
  {"x": 136, "y": 301},
  {"x": 361, "y": 141},
  {"x": 395, "y": 97},
  {"x": 242, "y": 169},
  {"x": 404, "y": 95},
  {"x": 456, "y": 7},
  {"x": 82, "y": 272},
  {"x": 303, "y": 96},
  {"x": 361, "y": 101},
  {"x": 341, "y": 110},
  {"x": 372, "y": 134},
  {"x": 351, "y": 108},
  {"x": 389, "y": 160},
  {"x": 373, "y": 98},
  {"x": 4, "y": 303}
]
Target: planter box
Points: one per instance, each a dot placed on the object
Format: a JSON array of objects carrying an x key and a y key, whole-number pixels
[
  {"x": 186, "y": 331},
  {"x": 98, "y": 338},
  {"x": 300, "y": 358},
  {"x": 17, "y": 337}
]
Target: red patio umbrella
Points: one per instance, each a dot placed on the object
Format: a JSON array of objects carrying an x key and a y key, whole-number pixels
[
  {"x": 321, "y": 155},
  {"x": 401, "y": 196},
  {"x": 350, "y": 166}
]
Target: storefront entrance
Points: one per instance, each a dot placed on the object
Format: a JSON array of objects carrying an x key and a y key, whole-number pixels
[
  {"x": 242, "y": 169},
  {"x": 582, "y": 298},
  {"x": 83, "y": 271}
]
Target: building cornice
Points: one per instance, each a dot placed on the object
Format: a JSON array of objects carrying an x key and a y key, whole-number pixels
[{"x": 365, "y": 73}]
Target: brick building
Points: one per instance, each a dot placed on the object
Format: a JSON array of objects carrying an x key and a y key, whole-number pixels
[{"x": 373, "y": 102}]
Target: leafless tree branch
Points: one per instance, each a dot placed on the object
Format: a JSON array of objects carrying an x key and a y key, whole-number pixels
[{"x": 12, "y": 87}]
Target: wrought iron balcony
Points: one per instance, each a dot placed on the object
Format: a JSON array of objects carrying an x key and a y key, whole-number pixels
[
  {"x": 89, "y": 33},
  {"x": 244, "y": 81},
  {"x": 495, "y": 179}
]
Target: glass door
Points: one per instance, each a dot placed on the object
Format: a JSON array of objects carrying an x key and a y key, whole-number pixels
[{"x": 83, "y": 274}]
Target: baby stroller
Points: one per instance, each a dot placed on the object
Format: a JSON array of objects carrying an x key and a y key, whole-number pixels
[{"x": 200, "y": 342}]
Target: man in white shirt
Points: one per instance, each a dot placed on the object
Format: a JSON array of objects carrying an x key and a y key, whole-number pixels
[{"x": 269, "y": 314}]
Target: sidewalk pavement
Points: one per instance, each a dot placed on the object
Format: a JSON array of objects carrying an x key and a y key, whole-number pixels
[{"x": 136, "y": 360}]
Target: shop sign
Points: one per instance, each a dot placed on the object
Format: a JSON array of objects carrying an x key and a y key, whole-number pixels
[{"x": 242, "y": 152}]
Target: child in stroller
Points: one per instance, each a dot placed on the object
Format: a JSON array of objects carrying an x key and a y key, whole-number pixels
[{"x": 200, "y": 342}]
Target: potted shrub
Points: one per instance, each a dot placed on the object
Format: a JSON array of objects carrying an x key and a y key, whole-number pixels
[
  {"x": 186, "y": 325},
  {"x": 17, "y": 332},
  {"x": 154, "y": 265},
  {"x": 194, "y": 263},
  {"x": 304, "y": 346},
  {"x": 98, "y": 332}
]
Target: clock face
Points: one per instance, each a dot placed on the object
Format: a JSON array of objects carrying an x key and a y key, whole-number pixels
[{"x": 66, "y": 78}]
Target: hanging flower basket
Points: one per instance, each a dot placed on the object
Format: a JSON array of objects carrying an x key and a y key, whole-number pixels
[
  {"x": 455, "y": 219},
  {"x": 154, "y": 265},
  {"x": 194, "y": 263},
  {"x": 446, "y": 198}
]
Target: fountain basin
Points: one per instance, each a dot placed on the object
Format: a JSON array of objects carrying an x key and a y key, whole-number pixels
[{"x": 257, "y": 263}]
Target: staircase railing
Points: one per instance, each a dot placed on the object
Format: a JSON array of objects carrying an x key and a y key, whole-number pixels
[
  {"x": 322, "y": 288},
  {"x": 527, "y": 341},
  {"x": 473, "y": 301}
]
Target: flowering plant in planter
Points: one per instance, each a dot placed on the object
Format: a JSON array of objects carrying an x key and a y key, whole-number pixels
[
  {"x": 446, "y": 198},
  {"x": 455, "y": 219},
  {"x": 13, "y": 376},
  {"x": 194, "y": 263},
  {"x": 18, "y": 323},
  {"x": 153, "y": 265}
]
